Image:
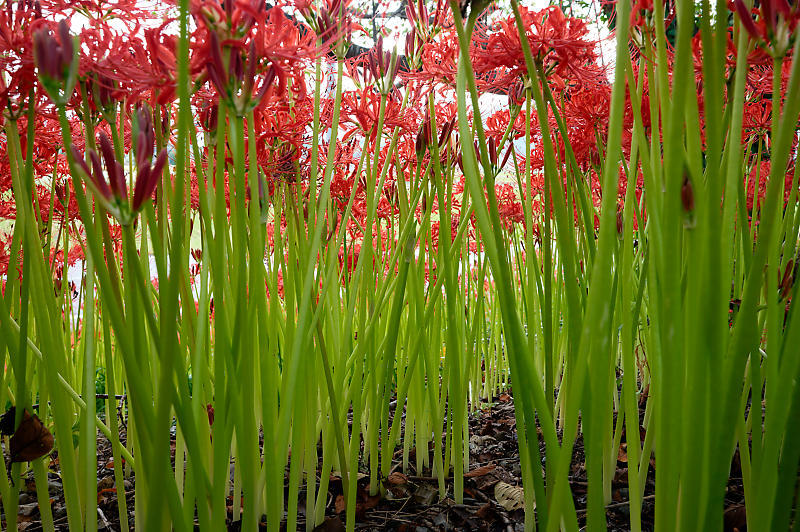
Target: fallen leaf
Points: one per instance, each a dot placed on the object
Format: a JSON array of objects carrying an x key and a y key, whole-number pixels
[
  {"x": 622, "y": 455},
  {"x": 397, "y": 479},
  {"x": 31, "y": 440},
  {"x": 330, "y": 524},
  {"x": 397, "y": 484},
  {"x": 509, "y": 497},
  {"x": 486, "y": 512},
  {"x": 480, "y": 471},
  {"x": 340, "y": 505},
  {"x": 368, "y": 504}
]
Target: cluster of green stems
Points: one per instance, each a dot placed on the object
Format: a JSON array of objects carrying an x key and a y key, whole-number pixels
[{"x": 329, "y": 379}]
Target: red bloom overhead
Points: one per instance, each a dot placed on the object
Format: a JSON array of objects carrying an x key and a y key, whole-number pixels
[{"x": 558, "y": 43}]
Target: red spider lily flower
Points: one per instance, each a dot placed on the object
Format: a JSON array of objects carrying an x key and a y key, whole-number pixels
[
  {"x": 142, "y": 65},
  {"x": 424, "y": 25},
  {"x": 641, "y": 12},
  {"x": 18, "y": 74},
  {"x": 775, "y": 26},
  {"x": 100, "y": 93},
  {"x": 263, "y": 49},
  {"x": 362, "y": 108},
  {"x": 756, "y": 184},
  {"x": 126, "y": 12},
  {"x": 558, "y": 43},
  {"x": 499, "y": 122},
  {"x": 227, "y": 81},
  {"x": 438, "y": 61},
  {"x": 57, "y": 62},
  {"x": 376, "y": 67},
  {"x": 332, "y": 22},
  {"x": 284, "y": 122},
  {"x": 383, "y": 66}
]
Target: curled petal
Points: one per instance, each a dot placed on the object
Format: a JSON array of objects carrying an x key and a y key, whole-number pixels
[
  {"x": 269, "y": 79},
  {"x": 783, "y": 8},
  {"x": 746, "y": 18}
]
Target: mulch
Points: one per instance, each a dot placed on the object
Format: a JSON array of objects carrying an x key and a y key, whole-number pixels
[{"x": 492, "y": 490}]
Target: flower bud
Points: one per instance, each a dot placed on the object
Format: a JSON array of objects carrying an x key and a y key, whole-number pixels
[
  {"x": 687, "y": 195},
  {"x": 56, "y": 61}
]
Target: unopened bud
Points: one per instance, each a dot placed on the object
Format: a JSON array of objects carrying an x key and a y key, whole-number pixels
[{"x": 687, "y": 195}]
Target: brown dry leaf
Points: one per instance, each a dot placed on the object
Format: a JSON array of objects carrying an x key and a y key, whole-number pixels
[
  {"x": 31, "y": 440},
  {"x": 368, "y": 504},
  {"x": 105, "y": 495},
  {"x": 504, "y": 398},
  {"x": 622, "y": 455},
  {"x": 340, "y": 505},
  {"x": 480, "y": 471},
  {"x": 486, "y": 512},
  {"x": 331, "y": 524},
  {"x": 397, "y": 479},
  {"x": 509, "y": 497}
]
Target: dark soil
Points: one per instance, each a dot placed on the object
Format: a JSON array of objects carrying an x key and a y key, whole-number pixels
[{"x": 410, "y": 501}]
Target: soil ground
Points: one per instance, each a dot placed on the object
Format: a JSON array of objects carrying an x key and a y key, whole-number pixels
[{"x": 410, "y": 502}]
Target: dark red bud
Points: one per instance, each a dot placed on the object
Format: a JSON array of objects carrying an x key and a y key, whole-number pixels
[
  {"x": 97, "y": 176},
  {"x": 507, "y": 155},
  {"x": 687, "y": 195},
  {"x": 79, "y": 160},
  {"x": 147, "y": 180},
  {"x": 67, "y": 49},
  {"x": 116, "y": 174}
]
